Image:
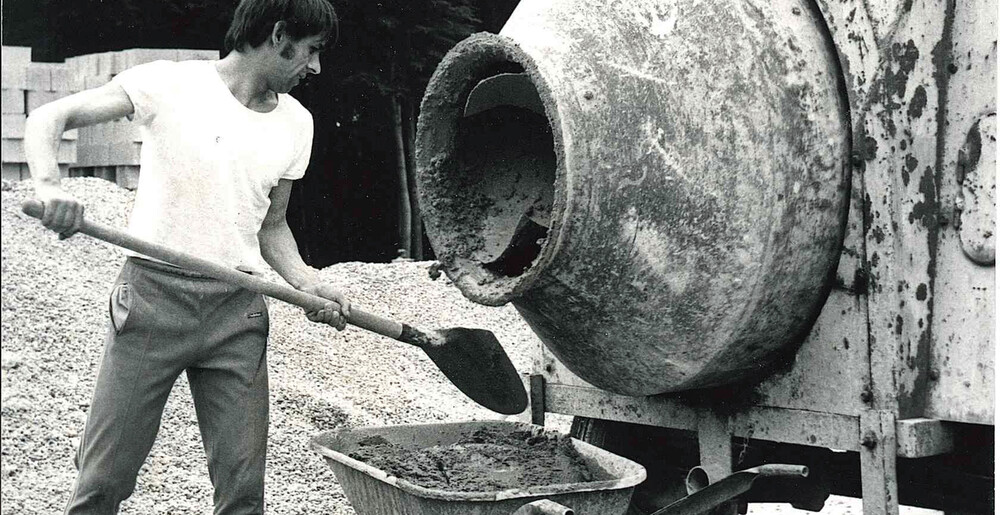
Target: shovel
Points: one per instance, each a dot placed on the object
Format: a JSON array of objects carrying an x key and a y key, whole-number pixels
[{"x": 472, "y": 359}]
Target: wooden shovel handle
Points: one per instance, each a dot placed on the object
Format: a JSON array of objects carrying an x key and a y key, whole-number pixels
[{"x": 359, "y": 318}]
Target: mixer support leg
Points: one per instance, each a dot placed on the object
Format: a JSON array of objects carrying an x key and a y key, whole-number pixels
[
  {"x": 536, "y": 396},
  {"x": 878, "y": 463},
  {"x": 716, "y": 451},
  {"x": 714, "y": 445}
]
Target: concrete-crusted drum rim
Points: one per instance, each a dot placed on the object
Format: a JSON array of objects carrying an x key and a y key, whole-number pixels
[{"x": 476, "y": 58}]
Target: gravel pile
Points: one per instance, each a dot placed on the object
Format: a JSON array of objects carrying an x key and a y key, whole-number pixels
[{"x": 54, "y": 298}]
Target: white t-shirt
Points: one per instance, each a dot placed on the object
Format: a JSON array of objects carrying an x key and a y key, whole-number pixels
[{"x": 208, "y": 162}]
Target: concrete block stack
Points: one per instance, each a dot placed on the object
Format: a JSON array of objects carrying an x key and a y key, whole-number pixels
[
  {"x": 26, "y": 86},
  {"x": 109, "y": 150}
]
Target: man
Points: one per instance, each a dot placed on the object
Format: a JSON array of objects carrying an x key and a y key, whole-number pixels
[{"x": 222, "y": 143}]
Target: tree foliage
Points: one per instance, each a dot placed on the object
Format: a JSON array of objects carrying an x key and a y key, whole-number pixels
[
  {"x": 57, "y": 29},
  {"x": 398, "y": 43}
]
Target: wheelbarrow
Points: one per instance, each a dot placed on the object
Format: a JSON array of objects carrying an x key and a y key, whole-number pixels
[{"x": 371, "y": 491}]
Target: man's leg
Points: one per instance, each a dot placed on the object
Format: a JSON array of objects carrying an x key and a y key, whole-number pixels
[
  {"x": 133, "y": 384},
  {"x": 230, "y": 393}
]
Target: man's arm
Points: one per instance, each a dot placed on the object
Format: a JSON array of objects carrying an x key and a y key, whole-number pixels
[
  {"x": 42, "y": 134},
  {"x": 278, "y": 248}
]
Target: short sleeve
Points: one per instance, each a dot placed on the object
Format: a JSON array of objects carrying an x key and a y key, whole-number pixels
[
  {"x": 146, "y": 86},
  {"x": 303, "y": 142}
]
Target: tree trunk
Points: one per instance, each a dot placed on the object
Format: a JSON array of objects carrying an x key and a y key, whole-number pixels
[
  {"x": 409, "y": 140},
  {"x": 405, "y": 213}
]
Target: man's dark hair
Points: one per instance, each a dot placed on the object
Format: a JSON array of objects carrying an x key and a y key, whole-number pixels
[{"x": 254, "y": 21}]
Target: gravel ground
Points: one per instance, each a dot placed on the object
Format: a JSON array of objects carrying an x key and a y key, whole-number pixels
[{"x": 54, "y": 298}]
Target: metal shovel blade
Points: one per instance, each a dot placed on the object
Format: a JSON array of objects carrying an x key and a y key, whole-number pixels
[{"x": 475, "y": 362}]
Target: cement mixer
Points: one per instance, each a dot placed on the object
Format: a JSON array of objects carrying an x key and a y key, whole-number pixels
[{"x": 745, "y": 232}]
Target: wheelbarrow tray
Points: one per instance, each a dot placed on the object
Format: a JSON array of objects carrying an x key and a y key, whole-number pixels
[{"x": 372, "y": 491}]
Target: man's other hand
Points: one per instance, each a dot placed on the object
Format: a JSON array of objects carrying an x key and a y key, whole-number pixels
[
  {"x": 63, "y": 212},
  {"x": 335, "y": 312}
]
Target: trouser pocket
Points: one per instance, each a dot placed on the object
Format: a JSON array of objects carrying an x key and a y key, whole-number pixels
[{"x": 120, "y": 306}]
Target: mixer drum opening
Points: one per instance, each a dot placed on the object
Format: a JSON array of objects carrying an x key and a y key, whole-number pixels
[
  {"x": 488, "y": 174},
  {"x": 505, "y": 156}
]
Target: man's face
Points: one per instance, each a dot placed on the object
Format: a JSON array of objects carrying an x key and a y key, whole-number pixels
[{"x": 295, "y": 60}]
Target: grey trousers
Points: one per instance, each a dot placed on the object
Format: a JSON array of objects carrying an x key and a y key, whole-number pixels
[{"x": 165, "y": 320}]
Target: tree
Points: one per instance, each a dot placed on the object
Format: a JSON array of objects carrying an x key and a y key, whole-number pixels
[{"x": 407, "y": 40}]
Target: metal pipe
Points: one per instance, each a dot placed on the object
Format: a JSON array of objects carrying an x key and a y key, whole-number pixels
[
  {"x": 543, "y": 507},
  {"x": 702, "y": 496}
]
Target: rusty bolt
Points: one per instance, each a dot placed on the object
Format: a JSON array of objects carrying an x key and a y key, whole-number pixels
[
  {"x": 961, "y": 166},
  {"x": 870, "y": 441},
  {"x": 589, "y": 95},
  {"x": 796, "y": 11},
  {"x": 934, "y": 374},
  {"x": 866, "y": 396}
]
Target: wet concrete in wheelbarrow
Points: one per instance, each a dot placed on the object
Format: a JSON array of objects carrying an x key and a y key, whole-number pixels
[{"x": 484, "y": 461}]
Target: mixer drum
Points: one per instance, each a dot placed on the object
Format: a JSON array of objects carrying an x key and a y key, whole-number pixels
[{"x": 660, "y": 188}]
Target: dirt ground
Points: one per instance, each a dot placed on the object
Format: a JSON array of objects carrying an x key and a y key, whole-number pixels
[{"x": 55, "y": 298}]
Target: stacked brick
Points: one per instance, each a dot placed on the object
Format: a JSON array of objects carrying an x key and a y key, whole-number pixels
[
  {"x": 26, "y": 86},
  {"x": 109, "y": 150}
]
